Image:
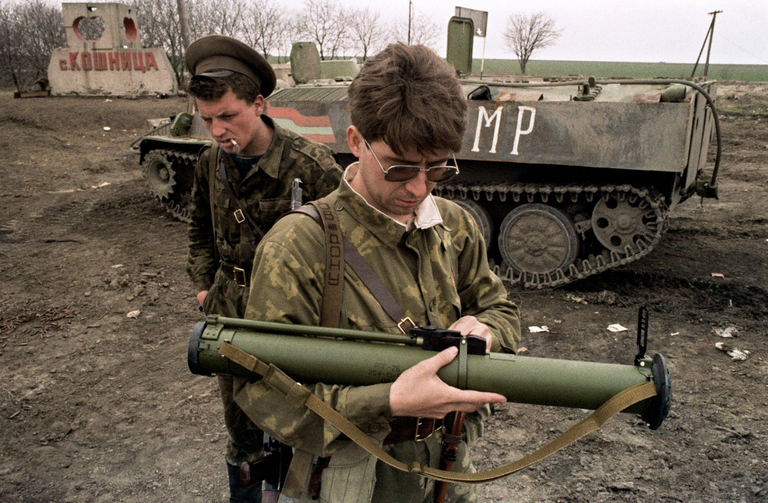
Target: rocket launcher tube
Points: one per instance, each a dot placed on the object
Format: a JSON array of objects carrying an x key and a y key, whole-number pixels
[{"x": 357, "y": 358}]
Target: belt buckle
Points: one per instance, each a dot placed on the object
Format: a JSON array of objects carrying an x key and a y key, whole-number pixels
[
  {"x": 239, "y": 276},
  {"x": 405, "y": 320},
  {"x": 239, "y": 216},
  {"x": 419, "y": 422}
]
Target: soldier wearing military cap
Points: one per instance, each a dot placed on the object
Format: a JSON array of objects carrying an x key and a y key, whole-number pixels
[{"x": 242, "y": 186}]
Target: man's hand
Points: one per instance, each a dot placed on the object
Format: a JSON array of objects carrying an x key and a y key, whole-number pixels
[
  {"x": 469, "y": 325},
  {"x": 201, "y": 295},
  {"x": 418, "y": 392}
]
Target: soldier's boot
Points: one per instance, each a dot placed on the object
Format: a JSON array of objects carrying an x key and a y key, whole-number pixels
[{"x": 240, "y": 493}]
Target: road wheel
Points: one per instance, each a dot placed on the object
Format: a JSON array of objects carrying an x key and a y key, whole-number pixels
[
  {"x": 620, "y": 221},
  {"x": 159, "y": 173},
  {"x": 538, "y": 239}
]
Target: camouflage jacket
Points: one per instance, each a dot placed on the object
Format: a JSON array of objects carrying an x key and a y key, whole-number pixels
[
  {"x": 265, "y": 192},
  {"x": 436, "y": 276}
]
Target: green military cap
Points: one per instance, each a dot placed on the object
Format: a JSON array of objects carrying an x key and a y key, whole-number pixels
[{"x": 213, "y": 54}]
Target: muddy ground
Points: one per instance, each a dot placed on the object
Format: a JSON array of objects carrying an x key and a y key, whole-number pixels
[{"x": 97, "y": 403}]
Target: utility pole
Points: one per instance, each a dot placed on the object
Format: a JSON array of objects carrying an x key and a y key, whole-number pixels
[
  {"x": 410, "y": 16},
  {"x": 709, "y": 35},
  {"x": 184, "y": 25}
]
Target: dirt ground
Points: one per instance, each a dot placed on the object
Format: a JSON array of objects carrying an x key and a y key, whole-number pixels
[{"x": 97, "y": 403}]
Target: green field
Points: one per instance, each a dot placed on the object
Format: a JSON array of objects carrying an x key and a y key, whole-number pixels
[{"x": 605, "y": 69}]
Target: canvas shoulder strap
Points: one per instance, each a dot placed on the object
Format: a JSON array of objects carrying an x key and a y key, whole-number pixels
[
  {"x": 299, "y": 395},
  {"x": 242, "y": 217},
  {"x": 213, "y": 160},
  {"x": 321, "y": 211}
]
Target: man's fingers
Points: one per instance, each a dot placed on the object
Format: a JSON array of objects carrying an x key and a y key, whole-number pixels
[
  {"x": 440, "y": 360},
  {"x": 479, "y": 398}
]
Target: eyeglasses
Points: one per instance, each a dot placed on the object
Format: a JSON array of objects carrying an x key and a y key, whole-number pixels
[{"x": 398, "y": 173}]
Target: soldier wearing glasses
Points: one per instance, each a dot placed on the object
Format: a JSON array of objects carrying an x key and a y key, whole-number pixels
[{"x": 408, "y": 118}]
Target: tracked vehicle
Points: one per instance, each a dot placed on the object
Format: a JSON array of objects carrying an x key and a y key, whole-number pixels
[{"x": 565, "y": 179}]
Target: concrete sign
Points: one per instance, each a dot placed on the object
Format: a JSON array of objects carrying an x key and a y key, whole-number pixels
[{"x": 104, "y": 56}]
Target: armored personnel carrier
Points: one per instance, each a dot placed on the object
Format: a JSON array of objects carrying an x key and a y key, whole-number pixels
[{"x": 565, "y": 179}]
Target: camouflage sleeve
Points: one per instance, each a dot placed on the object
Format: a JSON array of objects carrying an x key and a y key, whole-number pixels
[
  {"x": 287, "y": 283},
  {"x": 201, "y": 259},
  {"x": 327, "y": 183},
  {"x": 330, "y": 176},
  {"x": 482, "y": 293}
]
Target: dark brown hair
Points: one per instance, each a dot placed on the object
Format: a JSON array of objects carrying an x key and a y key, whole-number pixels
[
  {"x": 211, "y": 89},
  {"x": 409, "y": 97}
]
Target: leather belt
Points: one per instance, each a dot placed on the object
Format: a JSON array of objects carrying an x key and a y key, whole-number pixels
[
  {"x": 237, "y": 274},
  {"x": 414, "y": 428}
]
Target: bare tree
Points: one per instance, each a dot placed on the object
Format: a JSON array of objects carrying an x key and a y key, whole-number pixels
[
  {"x": 324, "y": 23},
  {"x": 160, "y": 27},
  {"x": 10, "y": 58},
  {"x": 222, "y": 17},
  {"x": 265, "y": 26},
  {"x": 528, "y": 33},
  {"x": 366, "y": 31},
  {"x": 44, "y": 33},
  {"x": 423, "y": 31},
  {"x": 29, "y": 32}
]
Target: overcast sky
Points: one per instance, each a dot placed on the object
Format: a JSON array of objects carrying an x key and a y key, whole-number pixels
[{"x": 671, "y": 31}]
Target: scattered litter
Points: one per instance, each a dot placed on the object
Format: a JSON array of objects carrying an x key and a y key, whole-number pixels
[
  {"x": 536, "y": 330},
  {"x": 736, "y": 354},
  {"x": 675, "y": 333},
  {"x": 573, "y": 298},
  {"x": 617, "y": 328},
  {"x": 726, "y": 332},
  {"x": 107, "y": 128},
  {"x": 71, "y": 191},
  {"x": 133, "y": 314},
  {"x": 107, "y": 100},
  {"x": 718, "y": 275},
  {"x": 117, "y": 266}
]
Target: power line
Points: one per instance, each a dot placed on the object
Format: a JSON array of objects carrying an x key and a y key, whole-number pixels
[{"x": 720, "y": 36}]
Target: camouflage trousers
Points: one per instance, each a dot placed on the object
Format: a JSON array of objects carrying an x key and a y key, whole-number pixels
[
  {"x": 394, "y": 486},
  {"x": 245, "y": 440},
  {"x": 354, "y": 476}
]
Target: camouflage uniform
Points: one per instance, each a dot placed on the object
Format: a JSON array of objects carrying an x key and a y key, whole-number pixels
[
  {"x": 437, "y": 274},
  {"x": 265, "y": 192}
]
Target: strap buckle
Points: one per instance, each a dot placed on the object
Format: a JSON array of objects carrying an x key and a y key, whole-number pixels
[
  {"x": 239, "y": 216},
  {"x": 405, "y": 325},
  {"x": 239, "y": 276},
  {"x": 420, "y": 421}
]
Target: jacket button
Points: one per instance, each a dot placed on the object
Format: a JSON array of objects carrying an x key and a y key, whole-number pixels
[{"x": 374, "y": 428}]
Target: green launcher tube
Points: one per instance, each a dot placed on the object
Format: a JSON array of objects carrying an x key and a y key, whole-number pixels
[{"x": 349, "y": 357}]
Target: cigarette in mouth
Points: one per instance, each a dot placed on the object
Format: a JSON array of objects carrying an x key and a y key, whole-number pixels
[{"x": 234, "y": 143}]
